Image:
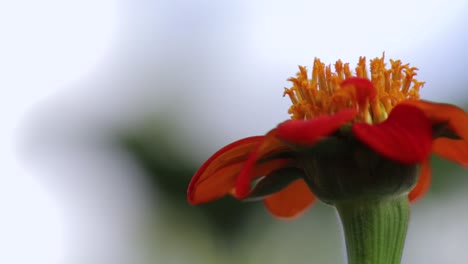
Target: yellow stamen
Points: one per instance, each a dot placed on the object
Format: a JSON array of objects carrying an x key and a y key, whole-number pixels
[{"x": 323, "y": 93}]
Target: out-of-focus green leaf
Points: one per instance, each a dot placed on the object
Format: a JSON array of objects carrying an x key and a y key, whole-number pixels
[{"x": 169, "y": 175}]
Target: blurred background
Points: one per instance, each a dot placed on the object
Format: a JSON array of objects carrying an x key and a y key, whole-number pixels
[{"x": 108, "y": 108}]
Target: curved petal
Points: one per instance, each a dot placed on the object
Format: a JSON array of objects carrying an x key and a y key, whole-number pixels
[
  {"x": 235, "y": 152},
  {"x": 307, "y": 132},
  {"x": 456, "y": 117},
  {"x": 424, "y": 181},
  {"x": 452, "y": 149},
  {"x": 362, "y": 89},
  {"x": 291, "y": 201},
  {"x": 222, "y": 181},
  {"x": 406, "y": 136},
  {"x": 268, "y": 146}
]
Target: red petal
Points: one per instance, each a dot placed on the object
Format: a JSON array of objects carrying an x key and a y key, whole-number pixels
[
  {"x": 307, "y": 132},
  {"x": 222, "y": 181},
  {"x": 424, "y": 181},
  {"x": 291, "y": 201},
  {"x": 362, "y": 88},
  {"x": 452, "y": 149},
  {"x": 456, "y": 117},
  {"x": 235, "y": 152},
  {"x": 269, "y": 145},
  {"x": 406, "y": 136}
]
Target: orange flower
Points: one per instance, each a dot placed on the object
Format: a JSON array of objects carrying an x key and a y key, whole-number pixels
[{"x": 381, "y": 110}]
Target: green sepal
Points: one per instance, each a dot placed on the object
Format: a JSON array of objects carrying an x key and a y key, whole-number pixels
[
  {"x": 329, "y": 146},
  {"x": 352, "y": 171},
  {"x": 274, "y": 182}
]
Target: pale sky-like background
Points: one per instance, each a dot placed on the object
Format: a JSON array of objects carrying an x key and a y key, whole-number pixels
[{"x": 71, "y": 71}]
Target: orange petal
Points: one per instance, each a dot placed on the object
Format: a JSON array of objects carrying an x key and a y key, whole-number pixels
[
  {"x": 235, "y": 152},
  {"x": 222, "y": 181},
  {"x": 406, "y": 135},
  {"x": 269, "y": 145},
  {"x": 307, "y": 132},
  {"x": 452, "y": 149},
  {"x": 456, "y": 117},
  {"x": 291, "y": 201},
  {"x": 424, "y": 181}
]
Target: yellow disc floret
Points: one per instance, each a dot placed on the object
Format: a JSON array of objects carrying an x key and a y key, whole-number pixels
[{"x": 326, "y": 92}]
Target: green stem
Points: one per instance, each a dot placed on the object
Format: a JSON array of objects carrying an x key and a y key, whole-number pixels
[{"x": 375, "y": 230}]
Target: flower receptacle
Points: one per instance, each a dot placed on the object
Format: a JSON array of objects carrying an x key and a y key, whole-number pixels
[{"x": 348, "y": 170}]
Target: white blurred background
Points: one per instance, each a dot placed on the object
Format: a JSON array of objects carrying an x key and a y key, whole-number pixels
[{"x": 75, "y": 73}]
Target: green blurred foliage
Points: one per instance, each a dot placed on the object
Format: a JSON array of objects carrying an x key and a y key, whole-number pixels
[
  {"x": 447, "y": 176},
  {"x": 168, "y": 176}
]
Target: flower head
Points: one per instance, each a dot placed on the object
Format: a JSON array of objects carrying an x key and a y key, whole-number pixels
[
  {"x": 374, "y": 95},
  {"x": 369, "y": 123}
]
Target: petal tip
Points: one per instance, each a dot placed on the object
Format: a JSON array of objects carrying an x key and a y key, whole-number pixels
[{"x": 363, "y": 88}]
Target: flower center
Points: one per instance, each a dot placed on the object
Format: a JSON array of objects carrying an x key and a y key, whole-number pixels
[{"x": 374, "y": 97}]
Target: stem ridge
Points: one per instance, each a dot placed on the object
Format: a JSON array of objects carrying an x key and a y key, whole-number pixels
[{"x": 375, "y": 230}]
